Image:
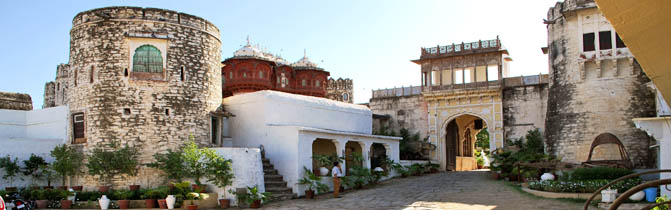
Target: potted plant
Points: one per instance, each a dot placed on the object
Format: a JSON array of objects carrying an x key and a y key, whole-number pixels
[
  {"x": 40, "y": 197},
  {"x": 195, "y": 165},
  {"x": 123, "y": 196},
  {"x": 254, "y": 198},
  {"x": 171, "y": 164},
  {"x": 32, "y": 168},
  {"x": 63, "y": 196},
  {"x": 195, "y": 196},
  {"x": 150, "y": 197},
  {"x": 220, "y": 173},
  {"x": 178, "y": 192},
  {"x": 108, "y": 161},
  {"x": 323, "y": 160},
  {"x": 66, "y": 163},
  {"x": 480, "y": 161},
  {"x": 313, "y": 182},
  {"x": 11, "y": 170},
  {"x": 48, "y": 174}
]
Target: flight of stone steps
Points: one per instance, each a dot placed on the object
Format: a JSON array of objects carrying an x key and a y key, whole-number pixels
[{"x": 274, "y": 183}]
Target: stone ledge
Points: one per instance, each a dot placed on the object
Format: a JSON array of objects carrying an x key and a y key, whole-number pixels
[{"x": 561, "y": 195}]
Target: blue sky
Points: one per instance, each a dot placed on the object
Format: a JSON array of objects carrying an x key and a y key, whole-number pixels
[{"x": 371, "y": 42}]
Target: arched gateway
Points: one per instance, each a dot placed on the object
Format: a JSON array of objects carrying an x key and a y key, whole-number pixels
[{"x": 462, "y": 83}]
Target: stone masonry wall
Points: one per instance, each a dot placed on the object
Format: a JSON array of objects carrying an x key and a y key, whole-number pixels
[
  {"x": 408, "y": 112},
  {"x": 154, "y": 114},
  {"x": 593, "y": 92},
  {"x": 15, "y": 101},
  {"x": 524, "y": 109},
  {"x": 337, "y": 89}
]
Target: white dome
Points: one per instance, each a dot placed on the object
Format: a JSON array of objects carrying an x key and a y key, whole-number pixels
[
  {"x": 304, "y": 62},
  {"x": 248, "y": 50}
]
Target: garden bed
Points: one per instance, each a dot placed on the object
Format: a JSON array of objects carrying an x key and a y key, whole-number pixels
[{"x": 560, "y": 195}]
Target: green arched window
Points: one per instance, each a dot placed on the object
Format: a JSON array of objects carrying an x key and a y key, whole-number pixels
[{"x": 147, "y": 58}]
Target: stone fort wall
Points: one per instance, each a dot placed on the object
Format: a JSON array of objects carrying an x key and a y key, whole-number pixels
[
  {"x": 524, "y": 105},
  {"x": 15, "y": 101},
  {"x": 152, "y": 111},
  {"x": 593, "y": 91}
]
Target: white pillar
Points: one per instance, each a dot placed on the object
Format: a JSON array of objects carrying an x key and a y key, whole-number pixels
[
  {"x": 340, "y": 150},
  {"x": 365, "y": 152},
  {"x": 658, "y": 127}
]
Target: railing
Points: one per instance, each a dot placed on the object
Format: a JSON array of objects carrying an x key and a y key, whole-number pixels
[
  {"x": 459, "y": 48},
  {"x": 623, "y": 197},
  {"x": 526, "y": 80},
  {"x": 395, "y": 92}
]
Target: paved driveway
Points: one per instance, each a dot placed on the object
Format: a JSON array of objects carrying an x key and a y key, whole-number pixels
[{"x": 448, "y": 190}]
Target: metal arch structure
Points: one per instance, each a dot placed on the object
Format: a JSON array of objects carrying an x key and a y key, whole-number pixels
[{"x": 633, "y": 190}]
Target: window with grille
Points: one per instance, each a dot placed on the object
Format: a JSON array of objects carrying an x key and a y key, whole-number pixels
[
  {"x": 618, "y": 42},
  {"x": 78, "y": 128},
  {"x": 588, "y": 42},
  {"x": 605, "y": 40},
  {"x": 147, "y": 58}
]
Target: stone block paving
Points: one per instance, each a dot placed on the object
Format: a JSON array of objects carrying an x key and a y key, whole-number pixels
[{"x": 472, "y": 190}]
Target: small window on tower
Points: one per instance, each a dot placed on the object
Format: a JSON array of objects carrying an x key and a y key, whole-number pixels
[
  {"x": 605, "y": 40},
  {"x": 78, "y": 128},
  {"x": 317, "y": 83},
  {"x": 260, "y": 75},
  {"x": 181, "y": 73},
  {"x": 230, "y": 75},
  {"x": 618, "y": 42},
  {"x": 304, "y": 83},
  {"x": 588, "y": 42},
  {"x": 125, "y": 72}
]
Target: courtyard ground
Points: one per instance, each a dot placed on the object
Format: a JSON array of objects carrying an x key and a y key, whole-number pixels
[{"x": 472, "y": 190}]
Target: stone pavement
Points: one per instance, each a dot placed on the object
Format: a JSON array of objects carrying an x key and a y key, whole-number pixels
[{"x": 472, "y": 190}]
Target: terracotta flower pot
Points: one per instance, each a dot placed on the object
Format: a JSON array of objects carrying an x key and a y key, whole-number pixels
[
  {"x": 162, "y": 204},
  {"x": 192, "y": 207},
  {"x": 10, "y": 189},
  {"x": 66, "y": 204},
  {"x": 103, "y": 189},
  {"x": 198, "y": 188},
  {"x": 123, "y": 204},
  {"x": 134, "y": 187},
  {"x": 77, "y": 188},
  {"x": 316, "y": 172},
  {"x": 224, "y": 203},
  {"x": 150, "y": 203},
  {"x": 63, "y": 187},
  {"x": 42, "y": 204},
  {"x": 479, "y": 167},
  {"x": 256, "y": 204},
  {"x": 309, "y": 194}
]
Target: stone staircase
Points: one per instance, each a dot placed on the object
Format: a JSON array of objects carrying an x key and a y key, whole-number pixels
[{"x": 274, "y": 183}]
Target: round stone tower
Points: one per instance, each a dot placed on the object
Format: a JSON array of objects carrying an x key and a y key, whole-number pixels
[
  {"x": 144, "y": 77},
  {"x": 596, "y": 87}
]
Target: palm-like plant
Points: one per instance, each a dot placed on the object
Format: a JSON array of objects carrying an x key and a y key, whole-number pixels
[{"x": 313, "y": 181}]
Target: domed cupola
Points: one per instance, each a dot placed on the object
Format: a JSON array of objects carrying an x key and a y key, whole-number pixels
[
  {"x": 304, "y": 62},
  {"x": 248, "y": 51}
]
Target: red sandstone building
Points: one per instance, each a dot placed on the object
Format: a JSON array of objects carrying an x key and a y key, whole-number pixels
[{"x": 252, "y": 70}]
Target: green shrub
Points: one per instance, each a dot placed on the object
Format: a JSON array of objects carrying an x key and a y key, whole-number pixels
[
  {"x": 108, "y": 161},
  {"x": 313, "y": 182},
  {"x": 599, "y": 173},
  {"x": 32, "y": 168},
  {"x": 67, "y": 161},
  {"x": 171, "y": 163},
  {"x": 11, "y": 168},
  {"x": 579, "y": 186}
]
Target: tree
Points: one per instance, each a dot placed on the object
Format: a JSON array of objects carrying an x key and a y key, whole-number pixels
[
  {"x": 11, "y": 168},
  {"x": 32, "y": 167},
  {"x": 482, "y": 139},
  {"x": 111, "y": 160},
  {"x": 171, "y": 163},
  {"x": 219, "y": 171},
  {"x": 67, "y": 161},
  {"x": 195, "y": 160}
]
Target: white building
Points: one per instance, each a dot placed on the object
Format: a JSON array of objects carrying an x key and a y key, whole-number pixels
[{"x": 291, "y": 128}]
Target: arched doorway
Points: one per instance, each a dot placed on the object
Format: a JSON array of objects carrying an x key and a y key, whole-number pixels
[
  {"x": 322, "y": 147},
  {"x": 352, "y": 152},
  {"x": 378, "y": 154},
  {"x": 460, "y": 138}
]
